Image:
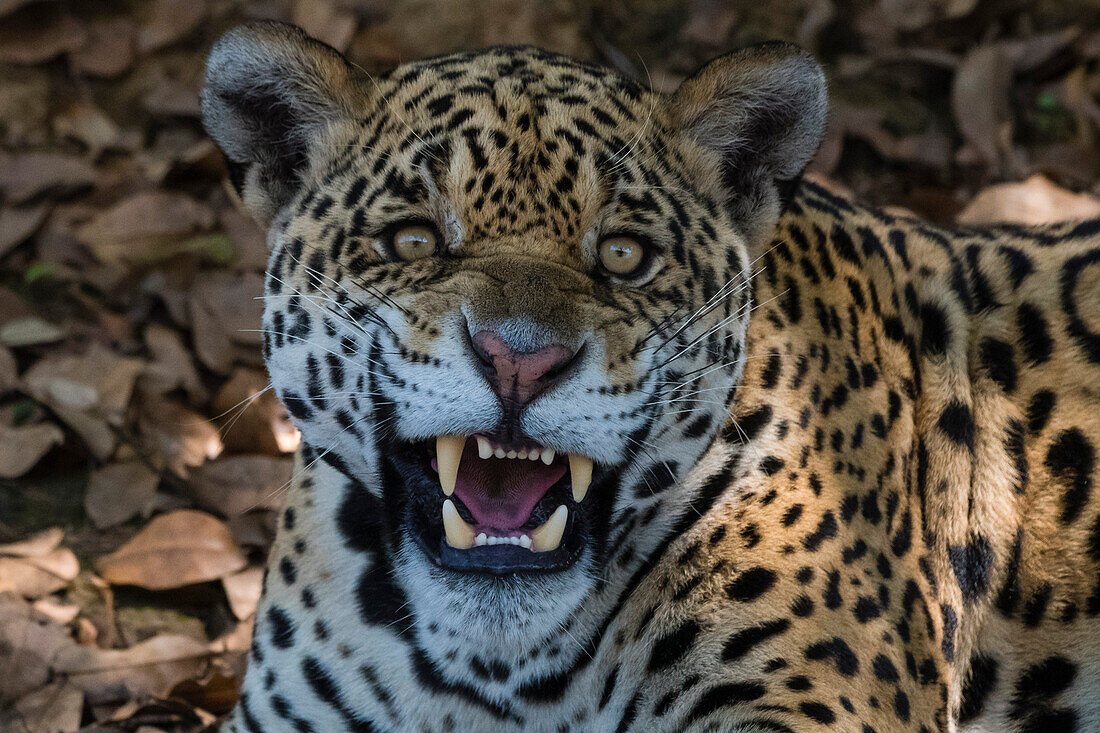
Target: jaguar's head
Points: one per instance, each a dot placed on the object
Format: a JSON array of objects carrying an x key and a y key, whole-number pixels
[{"x": 508, "y": 294}]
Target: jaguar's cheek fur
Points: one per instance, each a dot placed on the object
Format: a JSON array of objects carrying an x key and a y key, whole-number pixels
[{"x": 870, "y": 506}]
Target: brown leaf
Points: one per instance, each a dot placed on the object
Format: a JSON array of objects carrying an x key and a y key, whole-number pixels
[
  {"x": 324, "y": 20},
  {"x": 709, "y": 23},
  {"x": 25, "y": 175},
  {"x": 253, "y": 419},
  {"x": 178, "y": 437},
  {"x": 39, "y": 543},
  {"x": 169, "y": 21},
  {"x": 29, "y": 642},
  {"x": 172, "y": 367},
  {"x": 89, "y": 391},
  {"x": 109, "y": 50},
  {"x": 62, "y": 613},
  {"x": 21, "y": 448},
  {"x": 144, "y": 227},
  {"x": 255, "y": 529},
  {"x": 225, "y": 310},
  {"x": 151, "y": 668},
  {"x": 18, "y": 223},
  {"x": 34, "y": 577},
  {"x": 120, "y": 491},
  {"x": 172, "y": 98},
  {"x": 55, "y": 708},
  {"x": 248, "y": 238},
  {"x": 88, "y": 124},
  {"x": 36, "y": 566},
  {"x": 40, "y": 34},
  {"x": 29, "y": 331},
  {"x": 1034, "y": 201},
  {"x": 174, "y": 550},
  {"x": 243, "y": 591},
  {"x": 237, "y": 484},
  {"x": 979, "y": 99}
]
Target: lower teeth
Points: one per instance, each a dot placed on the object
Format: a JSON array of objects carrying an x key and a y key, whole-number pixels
[{"x": 460, "y": 535}]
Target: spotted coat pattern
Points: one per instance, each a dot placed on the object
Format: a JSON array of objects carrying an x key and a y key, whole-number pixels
[{"x": 883, "y": 518}]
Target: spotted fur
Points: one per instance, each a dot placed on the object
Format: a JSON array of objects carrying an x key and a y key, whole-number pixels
[{"x": 868, "y": 506}]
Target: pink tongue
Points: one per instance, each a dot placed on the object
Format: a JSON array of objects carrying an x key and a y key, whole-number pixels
[{"x": 501, "y": 492}]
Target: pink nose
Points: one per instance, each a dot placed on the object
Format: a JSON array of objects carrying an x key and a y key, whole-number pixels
[{"x": 518, "y": 376}]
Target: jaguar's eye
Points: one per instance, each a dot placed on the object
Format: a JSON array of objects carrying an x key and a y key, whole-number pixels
[
  {"x": 622, "y": 256},
  {"x": 414, "y": 241}
]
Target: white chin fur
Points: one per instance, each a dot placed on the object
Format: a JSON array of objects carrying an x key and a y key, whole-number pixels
[{"x": 502, "y": 616}]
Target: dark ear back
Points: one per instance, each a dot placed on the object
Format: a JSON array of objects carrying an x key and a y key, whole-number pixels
[
  {"x": 271, "y": 92},
  {"x": 762, "y": 110}
]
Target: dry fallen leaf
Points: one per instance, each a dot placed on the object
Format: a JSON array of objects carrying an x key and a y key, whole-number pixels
[
  {"x": 1034, "y": 201},
  {"x": 252, "y": 418},
  {"x": 174, "y": 550},
  {"x": 88, "y": 124},
  {"x": 979, "y": 99},
  {"x": 29, "y": 331},
  {"x": 143, "y": 228},
  {"x": 39, "y": 543},
  {"x": 88, "y": 391},
  {"x": 39, "y": 34},
  {"x": 169, "y": 21},
  {"x": 55, "y": 708},
  {"x": 172, "y": 98},
  {"x": 62, "y": 613},
  {"x": 109, "y": 49},
  {"x": 34, "y": 576},
  {"x": 18, "y": 223},
  {"x": 172, "y": 366},
  {"x": 226, "y": 311},
  {"x": 21, "y": 448},
  {"x": 120, "y": 491},
  {"x": 29, "y": 642},
  {"x": 237, "y": 484},
  {"x": 243, "y": 591},
  {"x": 177, "y": 437},
  {"x": 25, "y": 175},
  {"x": 151, "y": 668},
  {"x": 326, "y": 21}
]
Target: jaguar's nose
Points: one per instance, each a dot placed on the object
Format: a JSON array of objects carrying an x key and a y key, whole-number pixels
[{"x": 519, "y": 376}]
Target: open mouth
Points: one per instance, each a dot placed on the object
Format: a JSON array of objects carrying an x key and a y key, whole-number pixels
[{"x": 478, "y": 505}]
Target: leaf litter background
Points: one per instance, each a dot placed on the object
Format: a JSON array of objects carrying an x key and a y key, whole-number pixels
[{"x": 142, "y": 460}]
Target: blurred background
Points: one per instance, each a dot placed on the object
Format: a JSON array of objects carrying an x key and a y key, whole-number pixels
[{"x": 141, "y": 458}]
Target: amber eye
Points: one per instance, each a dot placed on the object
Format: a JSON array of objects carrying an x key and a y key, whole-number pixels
[
  {"x": 622, "y": 256},
  {"x": 414, "y": 241}
]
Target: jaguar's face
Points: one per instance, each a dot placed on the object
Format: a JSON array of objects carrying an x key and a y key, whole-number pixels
[{"x": 508, "y": 295}]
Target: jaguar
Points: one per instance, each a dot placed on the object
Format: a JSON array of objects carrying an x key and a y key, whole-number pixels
[{"x": 612, "y": 420}]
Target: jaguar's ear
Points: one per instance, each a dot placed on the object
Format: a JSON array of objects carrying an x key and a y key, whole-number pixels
[
  {"x": 762, "y": 111},
  {"x": 271, "y": 95}
]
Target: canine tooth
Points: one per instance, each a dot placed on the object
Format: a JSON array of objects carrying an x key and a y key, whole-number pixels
[
  {"x": 459, "y": 534},
  {"x": 547, "y": 456},
  {"x": 484, "y": 449},
  {"x": 448, "y": 454},
  {"x": 525, "y": 541},
  {"x": 499, "y": 453},
  {"x": 548, "y": 536},
  {"x": 580, "y": 475},
  {"x": 510, "y": 454},
  {"x": 481, "y": 539}
]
